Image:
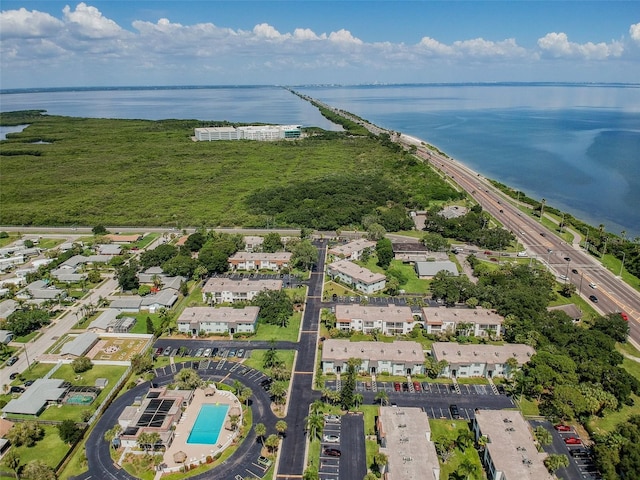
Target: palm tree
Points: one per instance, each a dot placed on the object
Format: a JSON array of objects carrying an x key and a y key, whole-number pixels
[
  {"x": 278, "y": 391},
  {"x": 315, "y": 424},
  {"x": 382, "y": 397},
  {"x": 237, "y": 386},
  {"x": 244, "y": 395},
  {"x": 281, "y": 427},
  {"x": 260, "y": 430},
  {"x": 358, "y": 399},
  {"x": 468, "y": 468},
  {"x": 316, "y": 407},
  {"x": 464, "y": 439},
  {"x": 311, "y": 473},
  {"x": 381, "y": 461},
  {"x": 233, "y": 420},
  {"x": 110, "y": 434},
  {"x": 272, "y": 442}
]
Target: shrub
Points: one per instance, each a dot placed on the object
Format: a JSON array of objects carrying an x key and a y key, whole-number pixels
[{"x": 81, "y": 364}]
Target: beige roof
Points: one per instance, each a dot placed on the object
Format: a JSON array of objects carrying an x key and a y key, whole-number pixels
[
  {"x": 411, "y": 456},
  {"x": 371, "y": 313},
  {"x": 511, "y": 445},
  {"x": 400, "y": 351},
  {"x": 472, "y": 353},
  {"x": 571, "y": 309},
  {"x": 253, "y": 240},
  {"x": 348, "y": 249},
  {"x": 356, "y": 272},
  {"x": 123, "y": 238},
  {"x": 440, "y": 315},
  {"x": 261, "y": 256},
  {"x": 181, "y": 241},
  {"x": 223, "y": 284},
  {"x": 222, "y": 314}
]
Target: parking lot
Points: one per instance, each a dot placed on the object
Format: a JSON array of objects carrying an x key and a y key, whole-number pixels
[
  {"x": 288, "y": 280},
  {"x": 425, "y": 388},
  {"x": 342, "y": 451}
]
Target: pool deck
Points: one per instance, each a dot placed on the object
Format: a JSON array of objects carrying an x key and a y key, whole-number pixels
[{"x": 197, "y": 453}]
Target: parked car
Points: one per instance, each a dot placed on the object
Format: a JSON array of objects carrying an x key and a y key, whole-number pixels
[
  {"x": 579, "y": 453},
  {"x": 241, "y": 353},
  {"x": 416, "y": 386},
  {"x": 455, "y": 412},
  {"x": 573, "y": 441},
  {"x": 12, "y": 360},
  {"x": 199, "y": 352},
  {"x": 331, "y": 438},
  {"x": 332, "y": 452},
  {"x": 28, "y": 383},
  {"x": 232, "y": 353},
  {"x": 567, "y": 259},
  {"x": 167, "y": 351},
  {"x": 332, "y": 418},
  {"x": 206, "y": 353},
  {"x": 214, "y": 352},
  {"x": 264, "y": 461},
  {"x": 367, "y": 385},
  {"x": 405, "y": 387},
  {"x": 13, "y": 376},
  {"x": 396, "y": 386},
  {"x": 562, "y": 428},
  {"x": 624, "y": 316},
  {"x": 563, "y": 277},
  {"x": 159, "y": 351},
  {"x": 425, "y": 386},
  {"x": 593, "y": 298},
  {"x": 16, "y": 389}
]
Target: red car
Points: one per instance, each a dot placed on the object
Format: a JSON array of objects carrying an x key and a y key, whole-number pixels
[
  {"x": 562, "y": 428},
  {"x": 416, "y": 386},
  {"x": 624, "y": 316},
  {"x": 573, "y": 441},
  {"x": 396, "y": 386},
  {"x": 487, "y": 252}
]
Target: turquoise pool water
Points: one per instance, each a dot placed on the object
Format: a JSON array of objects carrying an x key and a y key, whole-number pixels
[{"x": 208, "y": 424}]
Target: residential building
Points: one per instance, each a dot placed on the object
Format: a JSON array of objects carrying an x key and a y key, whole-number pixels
[
  {"x": 510, "y": 450},
  {"x": 37, "y": 397},
  {"x": 67, "y": 275},
  {"x": 7, "y": 307},
  {"x": 477, "y": 360},
  {"x": 477, "y": 322},
  {"x": 40, "y": 291},
  {"x": 159, "y": 413},
  {"x": 253, "y": 243},
  {"x": 397, "y": 358},
  {"x": 109, "y": 321},
  {"x": 6, "y": 336},
  {"x": 226, "y": 290},
  {"x": 357, "y": 277},
  {"x": 259, "y": 261},
  {"x": 109, "y": 249},
  {"x": 571, "y": 309},
  {"x": 429, "y": 269},
  {"x": 119, "y": 238},
  {"x": 389, "y": 320},
  {"x": 80, "y": 345},
  {"x": 10, "y": 262},
  {"x": 165, "y": 298},
  {"x": 352, "y": 250},
  {"x": 218, "y": 320},
  {"x": 404, "y": 435},
  {"x": 251, "y": 132}
]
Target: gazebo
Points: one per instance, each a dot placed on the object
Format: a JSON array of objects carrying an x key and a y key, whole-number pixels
[{"x": 179, "y": 457}]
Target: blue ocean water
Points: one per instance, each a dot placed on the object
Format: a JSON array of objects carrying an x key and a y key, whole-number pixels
[
  {"x": 208, "y": 424},
  {"x": 577, "y": 146}
]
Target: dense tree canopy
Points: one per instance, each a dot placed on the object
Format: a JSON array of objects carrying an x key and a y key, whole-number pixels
[
  {"x": 275, "y": 307},
  {"x": 22, "y": 322}
]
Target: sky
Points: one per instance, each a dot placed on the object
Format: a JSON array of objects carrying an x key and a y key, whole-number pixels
[{"x": 50, "y": 43}]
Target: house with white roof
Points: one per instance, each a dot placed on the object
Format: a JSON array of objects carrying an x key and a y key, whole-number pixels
[
  {"x": 37, "y": 397},
  {"x": 477, "y": 322},
  {"x": 510, "y": 450},
  {"x": 352, "y": 250},
  {"x": 429, "y": 269},
  {"x": 397, "y": 358},
  {"x": 480, "y": 360},
  {"x": 218, "y": 320},
  {"x": 227, "y": 290},
  {"x": 356, "y": 277},
  {"x": 259, "y": 261},
  {"x": 388, "y": 319},
  {"x": 40, "y": 291}
]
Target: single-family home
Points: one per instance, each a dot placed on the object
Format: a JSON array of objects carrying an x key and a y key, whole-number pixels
[
  {"x": 357, "y": 277},
  {"x": 387, "y": 319},
  {"x": 121, "y": 238},
  {"x": 571, "y": 309},
  {"x": 259, "y": 261},
  {"x": 109, "y": 249},
  {"x": 80, "y": 345},
  {"x": 40, "y": 291},
  {"x": 477, "y": 322},
  {"x": 253, "y": 243},
  {"x": 165, "y": 298},
  {"x": 510, "y": 448},
  {"x": 397, "y": 358},
  {"x": 478, "y": 360},
  {"x": 404, "y": 435},
  {"x": 7, "y": 307},
  {"x": 110, "y": 321},
  {"x": 37, "y": 397},
  {"x": 227, "y": 290},
  {"x": 218, "y": 320},
  {"x": 352, "y": 250}
]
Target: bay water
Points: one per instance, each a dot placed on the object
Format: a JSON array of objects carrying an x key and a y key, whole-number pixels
[{"x": 576, "y": 145}]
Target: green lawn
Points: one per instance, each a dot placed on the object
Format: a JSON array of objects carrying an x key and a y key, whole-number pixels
[
  {"x": 528, "y": 407},
  {"x": 51, "y": 449},
  {"x": 450, "y": 429},
  {"x": 257, "y": 357},
  {"x": 289, "y": 333},
  {"x": 141, "y": 321}
]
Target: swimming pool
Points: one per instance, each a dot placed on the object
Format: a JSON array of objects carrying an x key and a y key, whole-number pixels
[{"x": 208, "y": 424}]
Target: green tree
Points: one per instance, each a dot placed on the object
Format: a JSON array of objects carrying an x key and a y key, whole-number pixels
[
  {"x": 270, "y": 358},
  {"x": 110, "y": 434},
  {"x": 553, "y": 462},
  {"x": 375, "y": 232},
  {"x": 272, "y": 442},
  {"x": 276, "y": 307},
  {"x": 260, "y": 430},
  {"x": 464, "y": 439},
  {"x": 188, "y": 379},
  {"x": 311, "y": 473},
  {"x": 435, "y": 242},
  {"x": 542, "y": 435},
  {"x": 127, "y": 276},
  {"x": 272, "y": 243},
  {"x": 384, "y": 251},
  {"x": 37, "y": 469},
  {"x": 304, "y": 255},
  {"x": 69, "y": 432},
  {"x": 468, "y": 468},
  {"x": 314, "y": 424},
  {"x": 94, "y": 276},
  {"x": 11, "y": 460},
  {"x": 141, "y": 363},
  {"x": 99, "y": 230},
  {"x": 380, "y": 460},
  {"x": 180, "y": 265},
  {"x": 382, "y": 397},
  {"x": 281, "y": 427},
  {"x": 278, "y": 391},
  {"x": 25, "y": 433},
  {"x": 81, "y": 364},
  {"x": 150, "y": 327}
]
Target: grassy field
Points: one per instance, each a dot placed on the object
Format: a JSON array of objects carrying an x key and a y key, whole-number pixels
[
  {"x": 257, "y": 356},
  {"x": 138, "y": 172},
  {"x": 50, "y": 449},
  {"x": 289, "y": 333},
  {"x": 450, "y": 429}
]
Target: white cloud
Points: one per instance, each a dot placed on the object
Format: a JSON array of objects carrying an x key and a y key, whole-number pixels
[
  {"x": 473, "y": 49},
  {"x": 88, "y": 22},
  {"x": 28, "y": 24},
  {"x": 634, "y": 31},
  {"x": 265, "y": 30},
  {"x": 307, "y": 34},
  {"x": 557, "y": 45},
  {"x": 434, "y": 47},
  {"x": 344, "y": 37}
]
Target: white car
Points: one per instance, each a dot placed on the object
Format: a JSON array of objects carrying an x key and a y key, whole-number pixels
[
  {"x": 332, "y": 418},
  {"x": 331, "y": 438},
  {"x": 523, "y": 254},
  {"x": 593, "y": 285}
]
